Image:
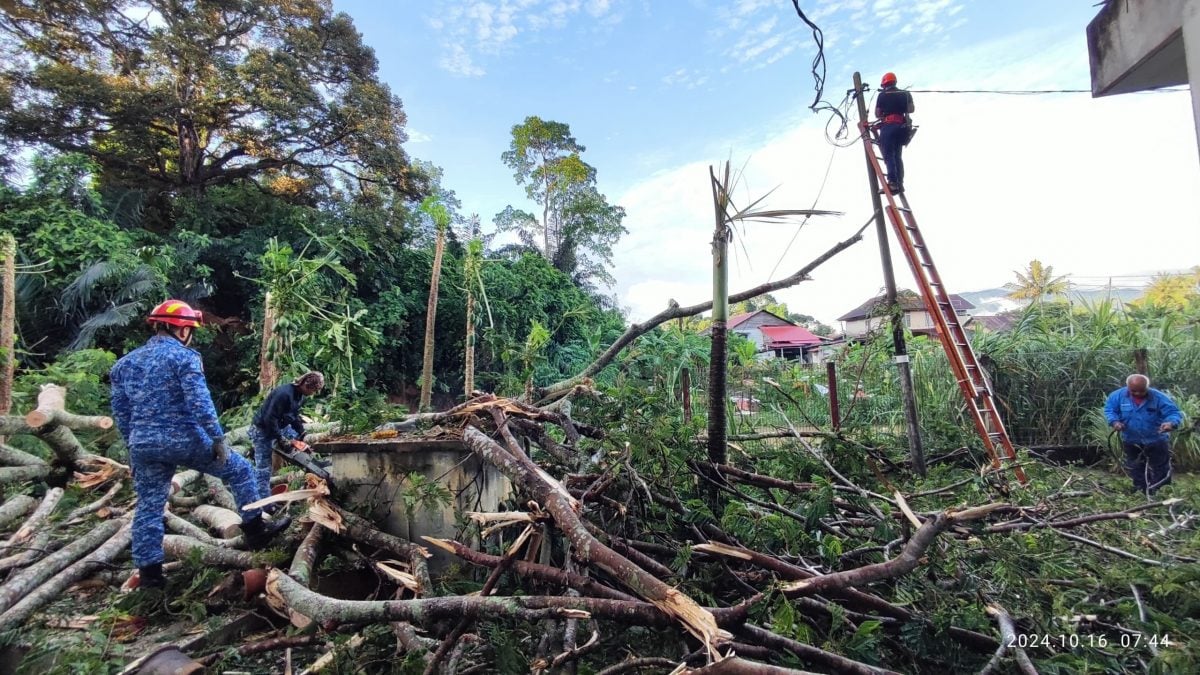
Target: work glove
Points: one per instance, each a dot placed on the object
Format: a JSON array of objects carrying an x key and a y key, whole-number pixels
[
  {"x": 220, "y": 451},
  {"x": 298, "y": 445}
]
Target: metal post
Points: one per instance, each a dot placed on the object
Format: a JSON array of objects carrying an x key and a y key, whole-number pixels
[
  {"x": 916, "y": 451},
  {"x": 835, "y": 412}
]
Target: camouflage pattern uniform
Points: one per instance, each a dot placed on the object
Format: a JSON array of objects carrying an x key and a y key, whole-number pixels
[
  {"x": 263, "y": 450},
  {"x": 163, "y": 409}
]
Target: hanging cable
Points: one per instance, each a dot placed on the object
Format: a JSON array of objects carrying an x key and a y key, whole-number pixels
[
  {"x": 819, "y": 71},
  {"x": 832, "y": 154},
  {"x": 1034, "y": 92}
]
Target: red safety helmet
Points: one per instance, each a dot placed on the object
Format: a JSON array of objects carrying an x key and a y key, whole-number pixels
[
  {"x": 889, "y": 79},
  {"x": 175, "y": 313}
]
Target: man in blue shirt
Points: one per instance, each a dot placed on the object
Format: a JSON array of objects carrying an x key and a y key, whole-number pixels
[
  {"x": 278, "y": 422},
  {"x": 1143, "y": 416},
  {"x": 164, "y": 411}
]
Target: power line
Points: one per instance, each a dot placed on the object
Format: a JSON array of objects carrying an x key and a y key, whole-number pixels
[{"x": 1035, "y": 92}]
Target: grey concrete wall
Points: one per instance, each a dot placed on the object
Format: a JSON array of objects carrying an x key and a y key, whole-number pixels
[
  {"x": 376, "y": 475},
  {"x": 1135, "y": 45}
]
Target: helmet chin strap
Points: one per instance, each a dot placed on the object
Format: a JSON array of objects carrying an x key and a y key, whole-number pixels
[{"x": 175, "y": 330}]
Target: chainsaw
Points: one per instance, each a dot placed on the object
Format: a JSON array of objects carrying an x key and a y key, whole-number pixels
[{"x": 300, "y": 453}]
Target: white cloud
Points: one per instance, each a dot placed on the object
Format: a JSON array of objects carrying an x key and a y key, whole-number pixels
[
  {"x": 1086, "y": 185},
  {"x": 480, "y": 27},
  {"x": 459, "y": 62},
  {"x": 415, "y": 136}
]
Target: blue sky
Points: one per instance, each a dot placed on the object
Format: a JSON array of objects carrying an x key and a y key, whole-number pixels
[{"x": 658, "y": 90}]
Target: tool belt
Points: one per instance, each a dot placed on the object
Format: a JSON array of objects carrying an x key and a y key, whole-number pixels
[{"x": 894, "y": 119}]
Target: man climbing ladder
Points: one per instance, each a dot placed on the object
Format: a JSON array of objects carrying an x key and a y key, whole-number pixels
[{"x": 892, "y": 109}]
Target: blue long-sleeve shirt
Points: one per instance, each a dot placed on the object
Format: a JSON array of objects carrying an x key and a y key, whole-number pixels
[
  {"x": 1142, "y": 421},
  {"x": 160, "y": 396},
  {"x": 279, "y": 415}
]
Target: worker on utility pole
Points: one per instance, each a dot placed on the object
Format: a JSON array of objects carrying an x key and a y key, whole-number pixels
[
  {"x": 166, "y": 415},
  {"x": 278, "y": 423},
  {"x": 892, "y": 109}
]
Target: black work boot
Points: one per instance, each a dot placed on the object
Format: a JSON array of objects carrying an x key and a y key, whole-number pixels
[
  {"x": 151, "y": 577},
  {"x": 258, "y": 532}
]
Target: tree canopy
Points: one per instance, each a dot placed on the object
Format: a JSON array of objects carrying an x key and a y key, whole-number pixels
[
  {"x": 578, "y": 227},
  {"x": 172, "y": 95}
]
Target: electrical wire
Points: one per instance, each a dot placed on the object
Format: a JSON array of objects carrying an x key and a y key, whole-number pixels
[
  {"x": 1035, "y": 92},
  {"x": 819, "y": 71},
  {"x": 832, "y": 154}
]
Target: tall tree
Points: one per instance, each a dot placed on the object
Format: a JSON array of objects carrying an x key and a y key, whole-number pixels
[
  {"x": 1171, "y": 292},
  {"x": 8, "y": 319},
  {"x": 578, "y": 227},
  {"x": 441, "y": 220},
  {"x": 178, "y": 94},
  {"x": 1037, "y": 282}
]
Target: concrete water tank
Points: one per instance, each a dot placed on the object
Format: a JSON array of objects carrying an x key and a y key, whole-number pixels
[{"x": 374, "y": 477}]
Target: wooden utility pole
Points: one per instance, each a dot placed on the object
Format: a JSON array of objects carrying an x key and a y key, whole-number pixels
[
  {"x": 899, "y": 348},
  {"x": 720, "y": 314}
]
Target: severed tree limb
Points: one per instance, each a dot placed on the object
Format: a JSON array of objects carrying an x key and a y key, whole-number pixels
[
  {"x": 223, "y": 521},
  {"x": 586, "y": 585},
  {"x": 15, "y": 508},
  {"x": 187, "y": 528},
  {"x": 10, "y": 456},
  {"x": 733, "y": 665},
  {"x": 1130, "y": 514},
  {"x": 180, "y": 547},
  {"x": 268, "y": 645},
  {"x": 218, "y": 494},
  {"x": 674, "y": 311},
  {"x": 835, "y": 662},
  {"x": 304, "y": 563},
  {"x": 493, "y": 578},
  {"x": 52, "y": 589},
  {"x": 51, "y": 409},
  {"x": 632, "y": 665},
  {"x": 95, "y": 506},
  {"x": 305, "y": 560},
  {"x": 28, "y": 579},
  {"x": 1111, "y": 549},
  {"x": 1008, "y": 641},
  {"x": 587, "y": 549},
  {"x": 63, "y": 443},
  {"x": 360, "y": 529},
  {"x": 20, "y": 474},
  {"x": 324, "y": 609},
  {"x": 39, "y": 516}
]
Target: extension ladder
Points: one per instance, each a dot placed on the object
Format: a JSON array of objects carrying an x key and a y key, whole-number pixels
[{"x": 976, "y": 389}]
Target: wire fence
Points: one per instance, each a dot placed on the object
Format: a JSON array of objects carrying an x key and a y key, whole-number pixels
[{"x": 1047, "y": 398}]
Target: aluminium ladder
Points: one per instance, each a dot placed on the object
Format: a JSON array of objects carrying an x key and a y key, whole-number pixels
[{"x": 976, "y": 389}]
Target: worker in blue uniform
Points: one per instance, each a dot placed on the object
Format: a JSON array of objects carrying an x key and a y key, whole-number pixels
[
  {"x": 278, "y": 422},
  {"x": 1144, "y": 417},
  {"x": 893, "y": 107},
  {"x": 163, "y": 409}
]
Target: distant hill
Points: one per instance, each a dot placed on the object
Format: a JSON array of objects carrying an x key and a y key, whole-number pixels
[{"x": 995, "y": 300}]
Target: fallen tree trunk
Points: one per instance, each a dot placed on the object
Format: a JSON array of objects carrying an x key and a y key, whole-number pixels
[
  {"x": 223, "y": 521},
  {"x": 305, "y": 559},
  {"x": 51, "y": 409},
  {"x": 180, "y": 547},
  {"x": 218, "y": 494},
  {"x": 20, "y": 474},
  {"x": 10, "y": 456},
  {"x": 187, "y": 528},
  {"x": 51, "y": 590},
  {"x": 588, "y": 586},
  {"x": 585, "y": 548},
  {"x": 25, "y": 581},
  {"x": 733, "y": 665},
  {"x": 43, "y": 511},
  {"x": 15, "y": 508}
]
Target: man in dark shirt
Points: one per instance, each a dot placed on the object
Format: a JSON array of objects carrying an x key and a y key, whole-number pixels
[
  {"x": 892, "y": 109},
  {"x": 278, "y": 422}
]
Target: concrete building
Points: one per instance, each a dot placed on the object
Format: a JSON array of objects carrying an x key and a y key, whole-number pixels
[
  {"x": 872, "y": 316},
  {"x": 1135, "y": 45}
]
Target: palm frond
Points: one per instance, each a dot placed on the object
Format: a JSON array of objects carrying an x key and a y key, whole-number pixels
[
  {"x": 76, "y": 296},
  {"x": 116, "y": 316}
]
